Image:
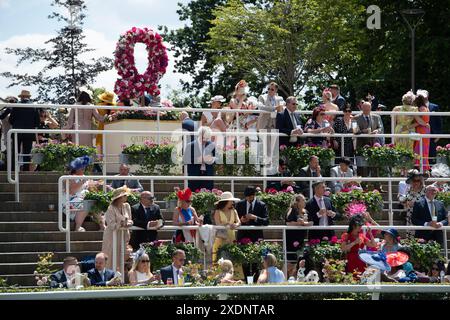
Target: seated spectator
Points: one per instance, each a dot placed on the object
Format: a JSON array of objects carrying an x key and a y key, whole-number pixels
[
  {"x": 185, "y": 215},
  {"x": 146, "y": 215},
  {"x": 175, "y": 270},
  {"x": 317, "y": 124},
  {"x": 296, "y": 216},
  {"x": 390, "y": 243},
  {"x": 133, "y": 185},
  {"x": 305, "y": 270},
  {"x": 283, "y": 184},
  {"x": 430, "y": 212},
  {"x": 140, "y": 274},
  {"x": 437, "y": 269},
  {"x": 353, "y": 241},
  {"x": 321, "y": 212},
  {"x": 311, "y": 170},
  {"x": 62, "y": 278},
  {"x": 100, "y": 276},
  {"x": 343, "y": 170},
  {"x": 227, "y": 274},
  {"x": 270, "y": 273}
]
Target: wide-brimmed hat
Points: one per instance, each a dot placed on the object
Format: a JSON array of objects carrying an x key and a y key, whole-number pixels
[
  {"x": 184, "y": 195},
  {"x": 375, "y": 259},
  {"x": 397, "y": 259},
  {"x": 11, "y": 99},
  {"x": 80, "y": 163},
  {"x": 414, "y": 173},
  {"x": 392, "y": 232},
  {"x": 227, "y": 196},
  {"x": 107, "y": 97},
  {"x": 217, "y": 99},
  {"x": 25, "y": 94},
  {"x": 120, "y": 192}
]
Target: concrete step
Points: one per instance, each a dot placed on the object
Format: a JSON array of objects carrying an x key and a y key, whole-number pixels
[
  {"x": 49, "y": 236},
  {"x": 25, "y": 280},
  {"x": 32, "y": 257},
  {"x": 29, "y": 216},
  {"x": 35, "y": 206},
  {"x": 50, "y": 246},
  {"x": 23, "y": 268},
  {"x": 32, "y": 226}
]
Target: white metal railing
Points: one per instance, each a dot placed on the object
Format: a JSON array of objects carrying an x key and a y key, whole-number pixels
[
  {"x": 65, "y": 180},
  {"x": 374, "y": 289}
]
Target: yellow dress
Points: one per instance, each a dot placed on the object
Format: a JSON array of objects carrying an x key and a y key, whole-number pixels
[
  {"x": 100, "y": 126},
  {"x": 405, "y": 125},
  {"x": 231, "y": 234}
]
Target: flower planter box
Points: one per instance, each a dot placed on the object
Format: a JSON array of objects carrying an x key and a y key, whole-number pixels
[
  {"x": 171, "y": 204},
  {"x": 37, "y": 158},
  {"x": 127, "y": 159},
  {"x": 361, "y": 162},
  {"x": 88, "y": 205},
  {"x": 440, "y": 159}
]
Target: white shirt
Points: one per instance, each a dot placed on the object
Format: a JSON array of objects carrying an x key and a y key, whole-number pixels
[
  {"x": 175, "y": 275},
  {"x": 102, "y": 274},
  {"x": 323, "y": 220}
]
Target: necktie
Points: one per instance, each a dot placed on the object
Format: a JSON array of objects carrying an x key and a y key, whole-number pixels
[
  {"x": 102, "y": 275},
  {"x": 433, "y": 209},
  {"x": 321, "y": 206},
  {"x": 294, "y": 122},
  {"x": 147, "y": 213},
  {"x": 250, "y": 208},
  {"x": 314, "y": 173}
]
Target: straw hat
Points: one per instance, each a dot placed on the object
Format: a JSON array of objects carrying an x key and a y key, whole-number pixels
[
  {"x": 120, "y": 192},
  {"x": 227, "y": 196},
  {"x": 25, "y": 94},
  {"x": 107, "y": 97}
]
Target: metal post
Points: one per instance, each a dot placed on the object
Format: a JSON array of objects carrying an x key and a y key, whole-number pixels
[
  {"x": 152, "y": 187},
  {"x": 16, "y": 167},
  {"x": 391, "y": 213},
  {"x": 445, "y": 245},
  {"x": 77, "y": 135},
  {"x": 122, "y": 254},
  {"x": 393, "y": 123},
  {"x": 311, "y": 189},
  {"x": 67, "y": 217},
  {"x": 413, "y": 59},
  {"x": 158, "y": 126},
  {"x": 421, "y": 155},
  {"x": 232, "y": 186},
  {"x": 104, "y": 160},
  {"x": 342, "y": 147},
  {"x": 114, "y": 251},
  {"x": 285, "y": 254}
]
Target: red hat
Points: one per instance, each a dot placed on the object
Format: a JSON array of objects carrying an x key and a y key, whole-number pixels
[
  {"x": 184, "y": 195},
  {"x": 397, "y": 259}
]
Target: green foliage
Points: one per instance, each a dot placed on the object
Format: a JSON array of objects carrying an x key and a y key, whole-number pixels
[
  {"x": 161, "y": 254},
  {"x": 248, "y": 252},
  {"x": 322, "y": 250},
  {"x": 298, "y": 157},
  {"x": 153, "y": 159},
  {"x": 372, "y": 199},
  {"x": 143, "y": 115},
  {"x": 203, "y": 202},
  {"x": 387, "y": 156},
  {"x": 45, "y": 267},
  {"x": 444, "y": 197},
  {"x": 103, "y": 200},
  {"x": 57, "y": 156},
  {"x": 277, "y": 204},
  {"x": 423, "y": 254},
  {"x": 65, "y": 65},
  {"x": 227, "y": 165}
]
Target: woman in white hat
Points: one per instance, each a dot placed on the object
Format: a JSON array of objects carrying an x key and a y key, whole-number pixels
[
  {"x": 117, "y": 216},
  {"x": 225, "y": 215},
  {"x": 209, "y": 117}
]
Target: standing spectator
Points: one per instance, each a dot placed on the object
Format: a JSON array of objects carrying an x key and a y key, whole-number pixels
[
  {"x": 343, "y": 125},
  {"x": 117, "y": 216},
  {"x": 5, "y": 127},
  {"x": 61, "y": 278},
  {"x": 353, "y": 241},
  {"x": 46, "y": 122},
  {"x": 329, "y": 106},
  {"x": 282, "y": 184},
  {"x": 435, "y": 122},
  {"x": 416, "y": 190},
  {"x": 373, "y": 100},
  {"x": 175, "y": 270},
  {"x": 311, "y": 170},
  {"x": 25, "y": 118},
  {"x": 270, "y": 102},
  {"x": 296, "y": 216},
  {"x": 140, "y": 273},
  {"x": 133, "y": 185},
  {"x": 343, "y": 170},
  {"x": 84, "y": 118},
  {"x": 227, "y": 216},
  {"x": 146, "y": 215},
  {"x": 105, "y": 99},
  {"x": 405, "y": 124},
  {"x": 318, "y": 125},
  {"x": 101, "y": 276},
  {"x": 321, "y": 212},
  {"x": 189, "y": 125},
  {"x": 270, "y": 273},
  {"x": 209, "y": 117},
  {"x": 199, "y": 157},
  {"x": 430, "y": 212},
  {"x": 337, "y": 98},
  {"x": 185, "y": 215},
  {"x": 422, "y": 127},
  {"x": 289, "y": 123}
]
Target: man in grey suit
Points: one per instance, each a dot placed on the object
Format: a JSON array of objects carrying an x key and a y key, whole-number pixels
[
  {"x": 343, "y": 170},
  {"x": 270, "y": 102},
  {"x": 124, "y": 171}
]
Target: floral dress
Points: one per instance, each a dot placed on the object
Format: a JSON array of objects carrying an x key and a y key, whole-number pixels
[
  {"x": 405, "y": 125},
  {"x": 412, "y": 196}
]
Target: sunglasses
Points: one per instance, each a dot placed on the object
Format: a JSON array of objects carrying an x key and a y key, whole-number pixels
[
  {"x": 437, "y": 269},
  {"x": 145, "y": 261},
  {"x": 347, "y": 111},
  {"x": 272, "y": 89},
  {"x": 321, "y": 114}
]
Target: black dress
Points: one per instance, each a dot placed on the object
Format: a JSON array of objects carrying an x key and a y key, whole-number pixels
[
  {"x": 340, "y": 127},
  {"x": 293, "y": 236}
]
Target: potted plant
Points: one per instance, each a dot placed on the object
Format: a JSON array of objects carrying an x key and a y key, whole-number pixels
[
  {"x": 160, "y": 254},
  {"x": 277, "y": 202},
  {"x": 445, "y": 198},
  {"x": 151, "y": 157},
  {"x": 204, "y": 200},
  {"x": 371, "y": 199},
  {"x": 443, "y": 154},
  {"x": 171, "y": 201},
  {"x": 423, "y": 253},
  {"x": 384, "y": 156},
  {"x": 297, "y": 157}
]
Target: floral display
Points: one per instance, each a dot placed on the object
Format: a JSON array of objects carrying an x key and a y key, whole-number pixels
[
  {"x": 277, "y": 202},
  {"x": 355, "y": 208},
  {"x": 423, "y": 253},
  {"x": 203, "y": 200},
  {"x": 165, "y": 115},
  {"x": 160, "y": 253},
  {"x": 132, "y": 84},
  {"x": 322, "y": 249},
  {"x": 298, "y": 157},
  {"x": 103, "y": 199},
  {"x": 443, "y": 153},
  {"x": 246, "y": 251},
  {"x": 387, "y": 155},
  {"x": 45, "y": 267},
  {"x": 372, "y": 200}
]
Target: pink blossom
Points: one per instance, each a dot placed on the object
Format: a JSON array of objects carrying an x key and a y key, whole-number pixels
[
  {"x": 391, "y": 145},
  {"x": 296, "y": 244},
  {"x": 355, "y": 208},
  {"x": 422, "y": 241},
  {"x": 334, "y": 240},
  {"x": 245, "y": 241},
  {"x": 290, "y": 189},
  {"x": 40, "y": 283},
  {"x": 325, "y": 239},
  {"x": 439, "y": 148},
  {"x": 377, "y": 145},
  {"x": 123, "y": 146},
  {"x": 283, "y": 147},
  {"x": 448, "y": 146}
]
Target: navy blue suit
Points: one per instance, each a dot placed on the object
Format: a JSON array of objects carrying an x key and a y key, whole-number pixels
[
  {"x": 189, "y": 125},
  {"x": 96, "y": 279},
  {"x": 166, "y": 273},
  {"x": 436, "y": 128},
  {"x": 312, "y": 207},
  {"x": 191, "y": 153},
  {"x": 58, "y": 278},
  {"x": 340, "y": 102},
  {"x": 262, "y": 219},
  {"x": 284, "y": 125},
  {"x": 421, "y": 214}
]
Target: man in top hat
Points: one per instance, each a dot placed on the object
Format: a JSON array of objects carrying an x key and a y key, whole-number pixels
[
  {"x": 270, "y": 102},
  {"x": 435, "y": 122},
  {"x": 25, "y": 118},
  {"x": 429, "y": 212},
  {"x": 208, "y": 117},
  {"x": 146, "y": 215}
]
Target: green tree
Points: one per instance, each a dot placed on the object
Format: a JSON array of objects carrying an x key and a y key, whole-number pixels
[{"x": 65, "y": 68}]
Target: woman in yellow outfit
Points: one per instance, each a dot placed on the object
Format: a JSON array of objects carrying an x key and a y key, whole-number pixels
[{"x": 106, "y": 99}]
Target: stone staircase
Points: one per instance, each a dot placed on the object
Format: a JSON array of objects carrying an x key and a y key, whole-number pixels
[{"x": 28, "y": 228}]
